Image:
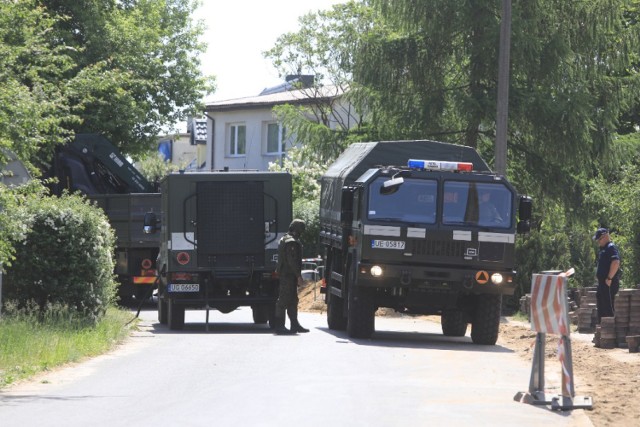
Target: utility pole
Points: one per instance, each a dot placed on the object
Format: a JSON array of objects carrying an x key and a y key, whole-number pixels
[{"x": 503, "y": 89}]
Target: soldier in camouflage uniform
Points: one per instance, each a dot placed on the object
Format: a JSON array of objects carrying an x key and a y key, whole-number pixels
[{"x": 290, "y": 272}]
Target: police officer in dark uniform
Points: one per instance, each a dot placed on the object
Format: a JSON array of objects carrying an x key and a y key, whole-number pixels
[
  {"x": 607, "y": 273},
  {"x": 290, "y": 273}
]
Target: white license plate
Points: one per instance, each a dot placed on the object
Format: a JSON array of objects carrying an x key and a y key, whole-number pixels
[
  {"x": 184, "y": 287},
  {"x": 387, "y": 244}
]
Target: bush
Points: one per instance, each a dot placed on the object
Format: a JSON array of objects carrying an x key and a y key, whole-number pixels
[
  {"x": 307, "y": 210},
  {"x": 65, "y": 257}
]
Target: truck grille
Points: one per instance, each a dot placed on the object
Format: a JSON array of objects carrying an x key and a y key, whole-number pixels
[
  {"x": 446, "y": 248},
  {"x": 491, "y": 252}
]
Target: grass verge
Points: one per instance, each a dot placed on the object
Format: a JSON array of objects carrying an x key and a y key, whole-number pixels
[{"x": 29, "y": 345}]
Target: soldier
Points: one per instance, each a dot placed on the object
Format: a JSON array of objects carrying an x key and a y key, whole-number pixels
[{"x": 290, "y": 273}]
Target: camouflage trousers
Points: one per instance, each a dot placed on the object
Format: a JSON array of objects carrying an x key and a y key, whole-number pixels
[{"x": 288, "y": 297}]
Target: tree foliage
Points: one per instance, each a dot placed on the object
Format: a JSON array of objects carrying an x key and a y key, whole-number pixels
[
  {"x": 324, "y": 47},
  {"x": 137, "y": 65},
  {"x": 34, "y": 112},
  {"x": 125, "y": 69},
  {"x": 429, "y": 70},
  {"x": 154, "y": 167}
]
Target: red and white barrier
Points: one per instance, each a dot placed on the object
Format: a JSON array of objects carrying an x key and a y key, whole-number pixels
[{"x": 550, "y": 315}]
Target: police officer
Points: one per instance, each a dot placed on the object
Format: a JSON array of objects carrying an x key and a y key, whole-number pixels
[
  {"x": 290, "y": 272},
  {"x": 607, "y": 273}
]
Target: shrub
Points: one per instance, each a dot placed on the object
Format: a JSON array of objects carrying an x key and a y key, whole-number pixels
[
  {"x": 307, "y": 210},
  {"x": 65, "y": 257}
]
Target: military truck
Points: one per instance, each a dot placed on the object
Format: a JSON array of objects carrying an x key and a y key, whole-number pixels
[
  {"x": 93, "y": 166},
  {"x": 219, "y": 242},
  {"x": 422, "y": 227}
]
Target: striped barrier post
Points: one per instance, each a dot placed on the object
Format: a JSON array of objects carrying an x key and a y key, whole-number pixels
[{"x": 550, "y": 315}]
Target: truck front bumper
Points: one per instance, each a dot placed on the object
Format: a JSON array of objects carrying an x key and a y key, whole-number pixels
[{"x": 467, "y": 280}]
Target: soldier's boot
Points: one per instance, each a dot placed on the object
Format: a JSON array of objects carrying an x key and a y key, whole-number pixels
[
  {"x": 295, "y": 325},
  {"x": 280, "y": 328}
]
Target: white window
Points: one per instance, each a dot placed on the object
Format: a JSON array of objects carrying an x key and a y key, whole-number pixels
[
  {"x": 275, "y": 139},
  {"x": 237, "y": 140}
]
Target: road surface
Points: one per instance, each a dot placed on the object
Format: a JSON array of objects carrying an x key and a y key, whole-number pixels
[{"x": 240, "y": 374}]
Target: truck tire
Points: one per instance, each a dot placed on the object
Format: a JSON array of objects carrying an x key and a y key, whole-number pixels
[
  {"x": 485, "y": 325},
  {"x": 176, "y": 316},
  {"x": 453, "y": 323},
  {"x": 260, "y": 314},
  {"x": 361, "y": 314},
  {"x": 162, "y": 311},
  {"x": 335, "y": 312}
]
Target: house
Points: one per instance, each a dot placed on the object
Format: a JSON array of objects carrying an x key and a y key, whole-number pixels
[
  {"x": 244, "y": 133},
  {"x": 186, "y": 150}
]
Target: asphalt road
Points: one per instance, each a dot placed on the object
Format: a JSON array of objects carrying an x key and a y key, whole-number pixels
[{"x": 240, "y": 374}]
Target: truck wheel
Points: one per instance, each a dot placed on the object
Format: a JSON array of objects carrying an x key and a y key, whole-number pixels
[
  {"x": 361, "y": 315},
  {"x": 453, "y": 323},
  {"x": 162, "y": 311},
  {"x": 485, "y": 325},
  {"x": 260, "y": 314},
  {"x": 335, "y": 312},
  {"x": 176, "y": 316}
]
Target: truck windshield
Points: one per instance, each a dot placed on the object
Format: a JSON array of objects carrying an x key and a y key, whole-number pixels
[
  {"x": 473, "y": 203},
  {"x": 414, "y": 202}
]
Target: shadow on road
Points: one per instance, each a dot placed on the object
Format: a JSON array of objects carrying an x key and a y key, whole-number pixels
[
  {"x": 212, "y": 328},
  {"x": 426, "y": 340}
]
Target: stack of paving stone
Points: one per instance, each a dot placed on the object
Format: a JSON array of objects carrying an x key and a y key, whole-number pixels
[
  {"x": 587, "y": 313},
  {"x": 621, "y": 307},
  {"x": 634, "y": 312},
  {"x": 606, "y": 333},
  {"x": 525, "y": 304}
]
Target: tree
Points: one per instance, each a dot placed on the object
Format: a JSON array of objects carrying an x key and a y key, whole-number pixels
[
  {"x": 434, "y": 75},
  {"x": 34, "y": 111},
  {"x": 136, "y": 65},
  {"x": 323, "y": 48}
]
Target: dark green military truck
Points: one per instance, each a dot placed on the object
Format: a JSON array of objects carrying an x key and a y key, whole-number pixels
[
  {"x": 219, "y": 242},
  {"x": 422, "y": 227},
  {"x": 93, "y": 166}
]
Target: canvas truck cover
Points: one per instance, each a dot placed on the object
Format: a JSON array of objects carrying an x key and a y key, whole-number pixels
[{"x": 361, "y": 156}]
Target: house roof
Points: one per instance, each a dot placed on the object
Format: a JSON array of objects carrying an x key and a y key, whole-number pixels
[{"x": 298, "y": 96}]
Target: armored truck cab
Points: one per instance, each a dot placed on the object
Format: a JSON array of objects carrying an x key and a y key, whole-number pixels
[
  {"x": 421, "y": 227},
  {"x": 219, "y": 240}
]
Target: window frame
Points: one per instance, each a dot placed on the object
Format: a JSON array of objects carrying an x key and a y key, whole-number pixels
[
  {"x": 234, "y": 140},
  {"x": 280, "y": 142}
]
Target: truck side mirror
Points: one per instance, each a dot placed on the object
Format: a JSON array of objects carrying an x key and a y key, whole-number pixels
[
  {"x": 150, "y": 223},
  {"x": 524, "y": 214},
  {"x": 525, "y": 207},
  {"x": 524, "y": 227},
  {"x": 391, "y": 186}
]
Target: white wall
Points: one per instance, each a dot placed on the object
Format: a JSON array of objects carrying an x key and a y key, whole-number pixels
[
  {"x": 255, "y": 120},
  {"x": 256, "y": 157}
]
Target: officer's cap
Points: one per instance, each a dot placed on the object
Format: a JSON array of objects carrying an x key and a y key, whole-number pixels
[{"x": 599, "y": 233}]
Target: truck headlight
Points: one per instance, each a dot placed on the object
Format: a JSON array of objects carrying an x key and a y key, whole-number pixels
[
  {"x": 496, "y": 278},
  {"x": 376, "y": 271}
]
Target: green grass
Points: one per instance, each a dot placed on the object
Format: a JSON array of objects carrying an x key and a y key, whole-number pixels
[
  {"x": 29, "y": 345},
  {"x": 521, "y": 317}
]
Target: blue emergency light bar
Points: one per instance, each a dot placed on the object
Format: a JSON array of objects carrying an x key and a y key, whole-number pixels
[{"x": 439, "y": 165}]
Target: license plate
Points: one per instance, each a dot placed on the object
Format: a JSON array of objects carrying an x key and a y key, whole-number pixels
[
  {"x": 387, "y": 244},
  {"x": 184, "y": 287}
]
